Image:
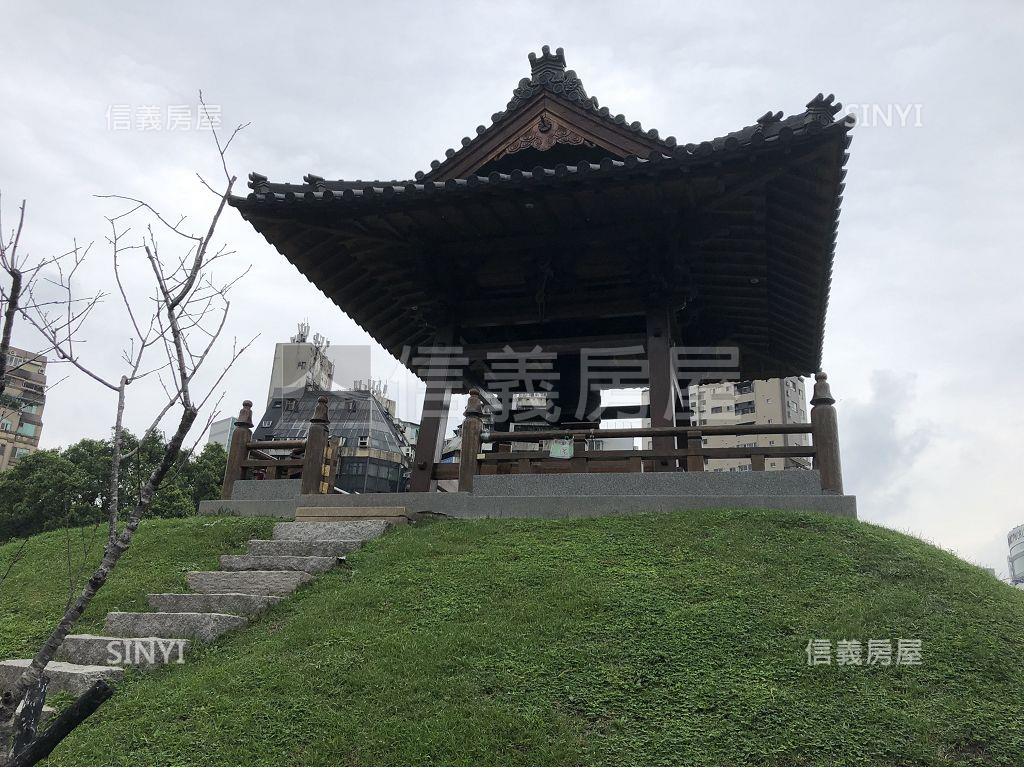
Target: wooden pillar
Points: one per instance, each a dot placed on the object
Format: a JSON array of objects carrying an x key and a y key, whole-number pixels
[
  {"x": 662, "y": 407},
  {"x": 471, "y": 429},
  {"x": 433, "y": 422},
  {"x": 316, "y": 449},
  {"x": 825, "y": 431},
  {"x": 238, "y": 449}
]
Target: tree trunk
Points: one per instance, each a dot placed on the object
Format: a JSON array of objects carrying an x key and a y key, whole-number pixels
[
  {"x": 41, "y": 747},
  {"x": 5, "y": 340}
]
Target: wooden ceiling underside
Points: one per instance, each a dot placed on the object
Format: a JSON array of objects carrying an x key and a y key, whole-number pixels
[{"x": 742, "y": 250}]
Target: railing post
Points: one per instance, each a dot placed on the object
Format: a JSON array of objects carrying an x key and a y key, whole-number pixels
[
  {"x": 825, "y": 432},
  {"x": 238, "y": 449},
  {"x": 471, "y": 429},
  {"x": 694, "y": 440},
  {"x": 579, "y": 446},
  {"x": 316, "y": 447},
  {"x": 757, "y": 462}
]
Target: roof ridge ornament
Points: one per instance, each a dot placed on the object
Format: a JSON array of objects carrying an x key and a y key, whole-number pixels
[
  {"x": 317, "y": 182},
  {"x": 824, "y": 108},
  {"x": 547, "y": 71},
  {"x": 546, "y": 63},
  {"x": 258, "y": 183}
]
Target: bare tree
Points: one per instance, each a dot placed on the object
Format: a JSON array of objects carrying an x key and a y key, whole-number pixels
[{"x": 173, "y": 331}]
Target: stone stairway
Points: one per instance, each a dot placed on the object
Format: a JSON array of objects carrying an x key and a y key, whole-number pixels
[{"x": 220, "y": 601}]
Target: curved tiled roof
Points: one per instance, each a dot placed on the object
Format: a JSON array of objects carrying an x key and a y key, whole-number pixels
[
  {"x": 771, "y": 129},
  {"x": 386, "y": 251}
]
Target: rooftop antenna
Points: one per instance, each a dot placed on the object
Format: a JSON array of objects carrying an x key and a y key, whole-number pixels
[{"x": 303, "y": 334}]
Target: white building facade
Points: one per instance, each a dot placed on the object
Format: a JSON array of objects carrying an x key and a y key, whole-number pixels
[
  {"x": 772, "y": 401},
  {"x": 1015, "y": 562}
]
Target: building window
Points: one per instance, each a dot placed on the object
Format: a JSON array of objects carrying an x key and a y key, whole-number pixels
[
  {"x": 717, "y": 409},
  {"x": 5, "y": 426},
  {"x": 364, "y": 441}
]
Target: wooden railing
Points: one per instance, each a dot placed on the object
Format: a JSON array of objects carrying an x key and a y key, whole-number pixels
[
  {"x": 822, "y": 428},
  {"x": 312, "y": 459}
]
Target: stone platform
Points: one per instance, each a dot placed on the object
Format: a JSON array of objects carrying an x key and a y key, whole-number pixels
[{"x": 562, "y": 495}]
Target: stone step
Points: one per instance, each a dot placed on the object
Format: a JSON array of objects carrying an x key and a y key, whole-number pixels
[
  {"x": 228, "y": 602},
  {"x": 323, "y": 531},
  {"x": 278, "y": 563},
  {"x": 199, "y": 626},
  {"x": 327, "y": 514},
  {"x": 334, "y": 548},
  {"x": 123, "y": 651},
  {"x": 247, "y": 582},
  {"x": 64, "y": 677}
]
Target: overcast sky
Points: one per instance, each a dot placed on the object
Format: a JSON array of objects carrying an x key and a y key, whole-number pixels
[{"x": 924, "y": 334}]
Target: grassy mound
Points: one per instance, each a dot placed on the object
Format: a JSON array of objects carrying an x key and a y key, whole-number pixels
[{"x": 654, "y": 639}]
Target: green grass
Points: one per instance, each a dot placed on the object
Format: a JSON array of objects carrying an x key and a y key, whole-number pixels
[
  {"x": 652, "y": 639},
  {"x": 36, "y": 591}
]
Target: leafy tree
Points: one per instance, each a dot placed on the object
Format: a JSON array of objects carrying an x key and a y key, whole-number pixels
[
  {"x": 44, "y": 491},
  {"x": 208, "y": 473},
  {"x": 70, "y": 487},
  {"x": 172, "y": 501}
]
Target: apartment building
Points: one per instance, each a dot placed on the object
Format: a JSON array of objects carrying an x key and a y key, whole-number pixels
[
  {"x": 21, "y": 406},
  {"x": 773, "y": 401},
  {"x": 1015, "y": 562}
]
